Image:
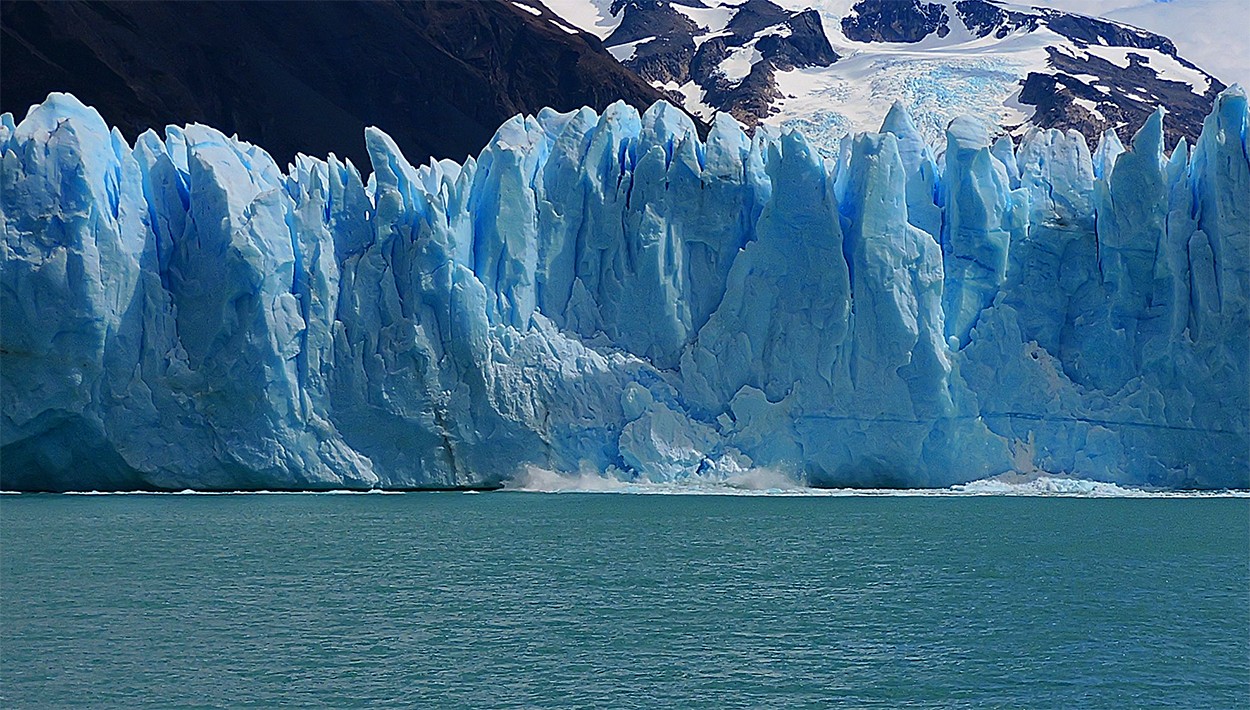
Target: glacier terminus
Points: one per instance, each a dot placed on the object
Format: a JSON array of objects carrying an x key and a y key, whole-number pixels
[{"x": 615, "y": 293}]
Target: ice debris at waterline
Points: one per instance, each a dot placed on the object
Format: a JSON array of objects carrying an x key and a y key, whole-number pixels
[
  {"x": 772, "y": 483},
  {"x": 610, "y": 293}
]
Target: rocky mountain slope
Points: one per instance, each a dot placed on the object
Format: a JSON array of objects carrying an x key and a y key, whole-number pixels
[
  {"x": 835, "y": 66},
  {"x": 439, "y": 77}
]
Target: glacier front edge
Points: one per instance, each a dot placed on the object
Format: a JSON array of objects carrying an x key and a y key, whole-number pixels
[{"x": 610, "y": 293}]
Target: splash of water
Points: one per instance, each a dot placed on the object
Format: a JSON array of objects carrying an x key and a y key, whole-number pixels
[{"x": 772, "y": 482}]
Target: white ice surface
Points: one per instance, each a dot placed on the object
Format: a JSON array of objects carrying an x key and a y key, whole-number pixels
[
  {"x": 738, "y": 64},
  {"x": 593, "y": 16},
  {"x": 625, "y": 52},
  {"x": 531, "y": 10}
]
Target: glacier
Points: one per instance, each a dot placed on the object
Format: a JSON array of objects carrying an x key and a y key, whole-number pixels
[{"x": 615, "y": 294}]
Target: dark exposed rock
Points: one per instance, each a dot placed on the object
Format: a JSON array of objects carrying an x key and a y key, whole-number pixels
[
  {"x": 439, "y": 77},
  {"x": 784, "y": 39},
  {"x": 805, "y": 46},
  {"x": 752, "y": 98},
  {"x": 667, "y": 56},
  {"x": 984, "y": 18},
  {"x": 1122, "y": 97},
  {"x": 663, "y": 59},
  {"x": 895, "y": 21},
  {"x": 668, "y": 53},
  {"x": 754, "y": 16},
  {"x": 1091, "y": 30},
  {"x": 1063, "y": 93},
  {"x": 706, "y": 62},
  {"x": 649, "y": 18}
]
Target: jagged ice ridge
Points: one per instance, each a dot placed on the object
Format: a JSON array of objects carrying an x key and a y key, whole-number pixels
[{"x": 611, "y": 293}]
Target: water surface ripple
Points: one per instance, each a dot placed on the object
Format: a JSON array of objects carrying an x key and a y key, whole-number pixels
[{"x": 529, "y": 600}]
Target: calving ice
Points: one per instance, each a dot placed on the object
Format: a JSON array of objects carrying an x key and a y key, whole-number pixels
[{"x": 611, "y": 293}]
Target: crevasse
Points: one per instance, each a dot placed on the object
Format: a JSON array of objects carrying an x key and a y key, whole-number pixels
[{"x": 611, "y": 293}]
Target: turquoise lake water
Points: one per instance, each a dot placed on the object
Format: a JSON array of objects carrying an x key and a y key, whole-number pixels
[{"x": 530, "y": 600}]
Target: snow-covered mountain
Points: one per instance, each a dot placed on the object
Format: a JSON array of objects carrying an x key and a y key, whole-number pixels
[{"x": 835, "y": 66}]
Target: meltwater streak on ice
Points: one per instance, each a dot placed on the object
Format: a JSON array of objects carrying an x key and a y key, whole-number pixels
[{"x": 611, "y": 293}]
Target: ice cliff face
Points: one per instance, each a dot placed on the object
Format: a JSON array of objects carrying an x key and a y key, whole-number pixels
[{"x": 609, "y": 292}]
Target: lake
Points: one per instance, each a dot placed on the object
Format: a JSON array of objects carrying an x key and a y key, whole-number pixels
[{"x": 614, "y": 600}]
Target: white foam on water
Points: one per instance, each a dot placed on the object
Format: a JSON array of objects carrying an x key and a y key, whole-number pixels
[
  {"x": 1058, "y": 486},
  {"x": 759, "y": 482},
  {"x": 533, "y": 479},
  {"x": 769, "y": 482}
]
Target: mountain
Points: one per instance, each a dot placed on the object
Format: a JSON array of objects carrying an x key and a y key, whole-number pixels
[
  {"x": 611, "y": 292},
  {"x": 439, "y": 77},
  {"x": 838, "y": 67},
  {"x": 714, "y": 58}
]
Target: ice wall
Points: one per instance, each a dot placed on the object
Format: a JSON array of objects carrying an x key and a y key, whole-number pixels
[{"x": 610, "y": 293}]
